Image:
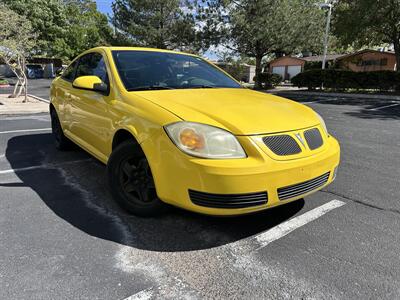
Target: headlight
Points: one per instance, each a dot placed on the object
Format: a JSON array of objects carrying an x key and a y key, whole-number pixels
[
  {"x": 322, "y": 123},
  {"x": 204, "y": 141}
]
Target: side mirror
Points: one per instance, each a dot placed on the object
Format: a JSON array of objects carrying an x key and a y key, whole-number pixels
[
  {"x": 59, "y": 72},
  {"x": 91, "y": 83}
]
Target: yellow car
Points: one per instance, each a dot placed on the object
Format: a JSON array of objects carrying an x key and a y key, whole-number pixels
[{"x": 175, "y": 129}]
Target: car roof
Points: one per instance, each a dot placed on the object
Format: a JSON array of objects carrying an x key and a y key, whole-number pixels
[{"x": 121, "y": 48}]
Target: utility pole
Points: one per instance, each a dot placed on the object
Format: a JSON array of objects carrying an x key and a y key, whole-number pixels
[{"x": 329, "y": 6}]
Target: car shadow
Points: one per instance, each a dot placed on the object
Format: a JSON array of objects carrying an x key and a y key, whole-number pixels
[
  {"x": 368, "y": 108},
  {"x": 73, "y": 186},
  {"x": 388, "y": 113}
]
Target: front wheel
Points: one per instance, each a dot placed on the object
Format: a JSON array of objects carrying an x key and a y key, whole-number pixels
[
  {"x": 61, "y": 141},
  {"x": 131, "y": 181}
]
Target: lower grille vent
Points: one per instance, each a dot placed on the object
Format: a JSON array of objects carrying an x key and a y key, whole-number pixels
[
  {"x": 302, "y": 188},
  {"x": 228, "y": 200}
]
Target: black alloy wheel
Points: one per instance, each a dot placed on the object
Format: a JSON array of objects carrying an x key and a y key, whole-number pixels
[
  {"x": 61, "y": 141},
  {"x": 131, "y": 181}
]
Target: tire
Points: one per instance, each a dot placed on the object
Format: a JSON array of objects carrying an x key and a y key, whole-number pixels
[
  {"x": 131, "y": 182},
  {"x": 62, "y": 143}
]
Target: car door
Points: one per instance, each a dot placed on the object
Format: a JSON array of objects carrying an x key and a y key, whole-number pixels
[
  {"x": 62, "y": 93},
  {"x": 91, "y": 124}
]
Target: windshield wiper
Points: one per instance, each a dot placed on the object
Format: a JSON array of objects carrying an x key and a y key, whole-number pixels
[
  {"x": 203, "y": 86},
  {"x": 149, "y": 88}
]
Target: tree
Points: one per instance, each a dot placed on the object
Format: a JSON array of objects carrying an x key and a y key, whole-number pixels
[
  {"x": 64, "y": 28},
  {"x": 155, "y": 23},
  {"x": 85, "y": 28},
  {"x": 16, "y": 40},
  {"x": 48, "y": 19},
  {"x": 368, "y": 22},
  {"x": 261, "y": 27}
]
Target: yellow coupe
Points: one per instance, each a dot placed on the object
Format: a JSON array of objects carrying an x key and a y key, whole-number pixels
[{"x": 173, "y": 128}]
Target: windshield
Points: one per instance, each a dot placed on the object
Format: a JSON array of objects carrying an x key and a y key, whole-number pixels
[{"x": 148, "y": 70}]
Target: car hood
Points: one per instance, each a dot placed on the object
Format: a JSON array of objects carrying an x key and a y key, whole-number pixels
[{"x": 241, "y": 111}]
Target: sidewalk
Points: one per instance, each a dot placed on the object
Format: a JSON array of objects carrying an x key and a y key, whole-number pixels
[{"x": 16, "y": 106}]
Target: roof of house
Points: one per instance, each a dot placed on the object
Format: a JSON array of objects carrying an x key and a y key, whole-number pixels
[
  {"x": 365, "y": 51},
  {"x": 315, "y": 58},
  {"x": 321, "y": 57},
  {"x": 330, "y": 57}
]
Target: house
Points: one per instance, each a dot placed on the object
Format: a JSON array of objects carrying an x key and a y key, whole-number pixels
[
  {"x": 360, "y": 61},
  {"x": 247, "y": 72},
  {"x": 368, "y": 60},
  {"x": 290, "y": 66}
]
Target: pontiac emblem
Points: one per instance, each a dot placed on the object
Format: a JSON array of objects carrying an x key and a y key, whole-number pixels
[{"x": 300, "y": 139}]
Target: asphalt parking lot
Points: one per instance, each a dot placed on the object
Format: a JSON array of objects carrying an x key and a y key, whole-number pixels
[
  {"x": 37, "y": 87},
  {"x": 63, "y": 237}
]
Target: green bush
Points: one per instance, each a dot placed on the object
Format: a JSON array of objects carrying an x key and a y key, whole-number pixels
[
  {"x": 268, "y": 80},
  {"x": 3, "y": 82},
  {"x": 343, "y": 79}
]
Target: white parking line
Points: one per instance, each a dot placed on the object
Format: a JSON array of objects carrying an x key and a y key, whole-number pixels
[
  {"x": 317, "y": 101},
  {"x": 39, "y": 98},
  {"x": 142, "y": 295},
  {"x": 22, "y": 169},
  {"x": 44, "y": 166},
  {"x": 386, "y": 106},
  {"x": 287, "y": 227},
  {"x": 44, "y": 118},
  {"x": 25, "y": 130},
  {"x": 245, "y": 248}
]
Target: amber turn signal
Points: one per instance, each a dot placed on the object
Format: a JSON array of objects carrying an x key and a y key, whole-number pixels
[{"x": 190, "y": 139}]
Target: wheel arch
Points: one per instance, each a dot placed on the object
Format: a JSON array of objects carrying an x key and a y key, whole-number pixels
[
  {"x": 52, "y": 108},
  {"x": 122, "y": 135}
]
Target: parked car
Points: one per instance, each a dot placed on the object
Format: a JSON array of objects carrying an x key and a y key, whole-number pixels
[
  {"x": 58, "y": 71},
  {"x": 4, "y": 83},
  {"x": 174, "y": 128},
  {"x": 34, "y": 71}
]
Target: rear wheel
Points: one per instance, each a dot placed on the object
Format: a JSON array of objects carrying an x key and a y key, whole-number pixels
[
  {"x": 61, "y": 141},
  {"x": 131, "y": 181}
]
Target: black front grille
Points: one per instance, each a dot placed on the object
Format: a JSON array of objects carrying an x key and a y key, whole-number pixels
[
  {"x": 313, "y": 138},
  {"x": 228, "y": 200},
  {"x": 282, "y": 144},
  {"x": 302, "y": 188}
]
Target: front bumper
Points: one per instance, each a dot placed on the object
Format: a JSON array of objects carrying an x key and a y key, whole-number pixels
[{"x": 175, "y": 173}]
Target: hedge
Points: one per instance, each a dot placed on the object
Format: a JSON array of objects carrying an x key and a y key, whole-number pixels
[
  {"x": 342, "y": 79},
  {"x": 3, "y": 81},
  {"x": 268, "y": 80}
]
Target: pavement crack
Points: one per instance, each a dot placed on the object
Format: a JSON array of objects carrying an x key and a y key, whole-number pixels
[{"x": 393, "y": 210}]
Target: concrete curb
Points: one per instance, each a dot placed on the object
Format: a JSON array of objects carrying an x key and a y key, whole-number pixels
[
  {"x": 344, "y": 95},
  {"x": 22, "y": 112},
  {"x": 38, "y": 98}
]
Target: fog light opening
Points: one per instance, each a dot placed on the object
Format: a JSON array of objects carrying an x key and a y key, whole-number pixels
[{"x": 334, "y": 173}]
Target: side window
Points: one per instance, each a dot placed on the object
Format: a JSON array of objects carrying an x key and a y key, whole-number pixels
[
  {"x": 92, "y": 64},
  {"x": 69, "y": 72}
]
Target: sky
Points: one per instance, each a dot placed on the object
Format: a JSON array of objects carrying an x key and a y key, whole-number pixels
[{"x": 104, "y": 6}]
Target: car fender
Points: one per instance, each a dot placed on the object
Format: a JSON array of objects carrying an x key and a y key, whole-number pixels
[{"x": 141, "y": 118}]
